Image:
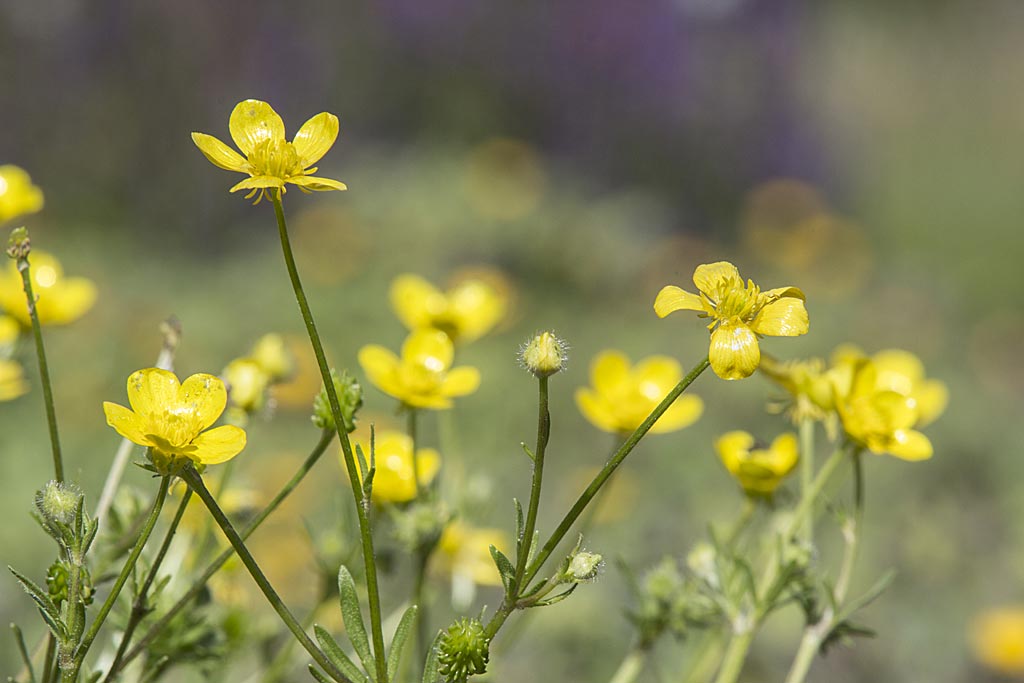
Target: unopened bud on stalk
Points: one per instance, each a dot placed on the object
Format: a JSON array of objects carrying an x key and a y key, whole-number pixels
[
  {"x": 544, "y": 355},
  {"x": 18, "y": 244},
  {"x": 58, "y": 502},
  {"x": 463, "y": 651},
  {"x": 584, "y": 567},
  {"x": 350, "y": 398}
]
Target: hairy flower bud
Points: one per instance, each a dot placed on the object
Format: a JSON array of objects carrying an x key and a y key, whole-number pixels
[
  {"x": 583, "y": 567},
  {"x": 350, "y": 396},
  {"x": 464, "y": 651},
  {"x": 58, "y": 502},
  {"x": 544, "y": 355}
]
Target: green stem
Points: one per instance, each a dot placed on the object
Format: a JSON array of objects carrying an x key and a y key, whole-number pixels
[
  {"x": 195, "y": 482},
  {"x": 806, "y": 431},
  {"x": 197, "y": 587},
  {"x": 49, "y": 670},
  {"x": 129, "y": 567},
  {"x": 631, "y": 666},
  {"x": 411, "y": 425},
  {"x": 735, "y": 656},
  {"x": 44, "y": 370},
  {"x": 741, "y": 523},
  {"x": 139, "y": 607},
  {"x": 543, "y": 434},
  {"x": 362, "y": 512}
]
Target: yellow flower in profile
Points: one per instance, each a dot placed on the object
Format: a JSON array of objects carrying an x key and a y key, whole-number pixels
[
  {"x": 270, "y": 160},
  {"x": 758, "y": 469},
  {"x": 18, "y": 196},
  {"x": 740, "y": 315},
  {"x": 271, "y": 353},
  {"x": 12, "y": 381},
  {"x": 247, "y": 384},
  {"x": 171, "y": 419},
  {"x": 464, "y": 552},
  {"x": 622, "y": 395},
  {"x": 423, "y": 376},
  {"x": 997, "y": 639},
  {"x": 808, "y": 382},
  {"x": 59, "y": 300},
  {"x": 467, "y": 311},
  {"x": 394, "y": 481},
  {"x": 903, "y": 372}
]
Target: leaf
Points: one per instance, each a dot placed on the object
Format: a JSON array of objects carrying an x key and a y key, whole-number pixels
[
  {"x": 505, "y": 568},
  {"x": 868, "y": 597},
  {"x": 361, "y": 457},
  {"x": 318, "y": 676},
  {"x": 398, "y": 641},
  {"x": 430, "y": 672},
  {"x": 353, "y": 617},
  {"x": 533, "y": 547},
  {"x": 337, "y": 655},
  {"x": 527, "y": 450},
  {"x": 519, "y": 526},
  {"x": 556, "y": 599},
  {"x": 51, "y": 615}
]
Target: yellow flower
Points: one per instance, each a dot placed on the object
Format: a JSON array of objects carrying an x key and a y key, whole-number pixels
[
  {"x": 247, "y": 384},
  {"x": 18, "y": 196},
  {"x": 272, "y": 354},
  {"x": 759, "y": 470},
  {"x": 394, "y": 481},
  {"x": 997, "y": 639},
  {"x": 170, "y": 418},
  {"x": 621, "y": 395},
  {"x": 270, "y": 160},
  {"x": 740, "y": 314},
  {"x": 808, "y": 382},
  {"x": 464, "y": 552},
  {"x": 423, "y": 376},
  {"x": 903, "y": 372},
  {"x": 59, "y": 300},
  {"x": 12, "y": 381},
  {"x": 9, "y": 331},
  {"x": 467, "y": 311}
]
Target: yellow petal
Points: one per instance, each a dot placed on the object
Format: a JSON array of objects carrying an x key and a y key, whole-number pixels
[
  {"x": 931, "y": 397},
  {"x": 220, "y": 154},
  {"x": 218, "y": 445},
  {"x": 596, "y": 410},
  {"x": 126, "y": 423},
  {"x": 206, "y": 395},
  {"x": 68, "y": 301},
  {"x": 431, "y": 349},
  {"x": 672, "y": 298},
  {"x": 786, "y": 317},
  {"x": 733, "y": 447},
  {"x": 686, "y": 410},
  {"x": 460, "y": 381},
  {"x": 415, "y": 301},
  {"x": 258, "y": 182},
  {"x": 380, "y": 366},
  {"x": 715, "y": 279},
  {"x": 907, "y": 444},
  {"x": 780, "y": 292},
  {"x": 253, "y": 122},
  {"x": 476, "y": 307},
  {"x": 784, "y": 454},
  {"x": 317, "y": 184},
  {"x": 12, "y": 381},
  {"x": 656, "y": 375},
  {"x": 152, "y": 390},
  {"x": 734, "y": 352},
  {"x": 316, "y": 137},
  {"x": 609, "y": 371}
]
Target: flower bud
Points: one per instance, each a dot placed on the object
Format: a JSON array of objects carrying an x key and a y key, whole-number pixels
[
  {"x": 544, "y": 355},
  {"x": 463, "y": 651},
  {"x": 583, "y": 567},
  {"x": 58, "y": 502},
  {"x": 350, "y": 398},
  {"x": 18, "y": 244}
]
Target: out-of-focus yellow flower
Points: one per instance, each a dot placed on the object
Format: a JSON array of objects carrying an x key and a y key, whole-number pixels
[
  {"x": 247, "y": 384},
  {"x": 464, "y": 551},
  {"x": 809, "y": 384},
  {"x": 740, "y": 314},
  {"x": 170, "y": 417},
  {"x": 467, "y": 311},
  {"x": 12, "y": 381},
  {"x": 997, "y": 639},
  {"x": 270, "y": 160},
  {"x": 9, "y": 331},
  {"x": 423, "y": 376},
  {"x": 271, "y": 353},
  {"x": 903, "y": 372},
  {"x": 18, "y": 196},
  {"x": 59, "y": 300},
  {"x": 621, "y": 395},
  {"x": 758, "y": 469},
  {"x": 394, "y": 481}
]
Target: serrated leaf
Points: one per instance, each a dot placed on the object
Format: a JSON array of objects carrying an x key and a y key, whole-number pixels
[
  {"x": 42, "y": 598},
  {"x": 430, "y": 672},
  {"x": 505, "y": 568},
  {"x": 337, "y": 655},
  {"x": 318, "y": 676},
  {"x": 352, "y": 614},
  {"x": 398, "y": 641}
]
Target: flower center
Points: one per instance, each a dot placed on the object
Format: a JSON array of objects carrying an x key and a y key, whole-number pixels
[
  {"x": 739, "y": 302},
  {"x": 422, "y": 379},
  {"x": 178, "y": 426},
  {"x": 276, "y": 158}
]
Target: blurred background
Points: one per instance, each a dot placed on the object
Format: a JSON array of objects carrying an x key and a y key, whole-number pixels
[{"x": 592, "y": 152}]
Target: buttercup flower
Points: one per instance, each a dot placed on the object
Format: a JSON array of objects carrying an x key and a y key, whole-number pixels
[
  {"x": 394, "y": 481},
  {"x": 467, "y": 311},
  {"x": 270, "y": 160},
  {"x": 18, "y": 196},
  {"x": 272, "y": 354},
  {"x": 171, "y": 419},
  {"x": 247, "y": 384},
  {"x": 759, "y": 470},
  {"x": 809, "y": 384},
  {"x": 997, "y": 639},
  {"x": 903, "y": 372},
  {"x": 621, "y": 395},
  {"x": 59, "y": 300},
  {"x": 12, "y": 381},
  {"x": 740, "y": 315},
  {"x": 423, "y": 376}
]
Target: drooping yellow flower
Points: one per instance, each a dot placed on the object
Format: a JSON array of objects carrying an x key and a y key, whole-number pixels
[
  {"x": 270, "y": 160},
  {"x": 621, "y": 395},
  {"x": 12, "y": 380},
  {"x": 423, "y": 376},
  {"x": 997, "y": 639},
  {"x": 740, "y": 314},
  {"x": 171, "y": 419},
  {"x": 18, "y": 196},
  {"x": 467, "y": 311},
  {"x": 758, "y": 469},
  {"x": 59, "y": 300},
  {"x": 464, "y": 552},
  {"x": 394, "y": 481}
]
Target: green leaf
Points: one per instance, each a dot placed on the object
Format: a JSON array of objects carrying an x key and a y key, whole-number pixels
[
  {"x": 398, "y": 641},
  {"x": 51, "y": 615},
  {"x": 318, "y": 676},
  {"x": 353, "y": 617},
  {"x": 533, "y": 547},
  {"x": 556, "y": 599},
  {"x": 505, "y": 568},
  {"x": 868, "y": 597},
  {"x": 430, "y": 672},
  {"x": 519, "y": 526},
  {"x": 527, "y": 450},
  {"x": 337, "y": 655},
  {"x": 361, "y": 457}
]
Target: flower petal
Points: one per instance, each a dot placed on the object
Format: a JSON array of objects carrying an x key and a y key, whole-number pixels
[
  {"x": 714, "y": 279},
  {"x": 784, "y": 453},
  {"x": 253, "y": 122},
  {"x": 68, "y": 301},
  {"x": 126, "y": 423},
  {"x": 476, "y": 306},
  {"x": 152, "y": 390},
  {"x": 381, "y": 367},
  {"x": 672, "y": 298},
  {"x": 257, "y": 182},
  {"x": 734, "y": 447},
  {"x": 316, "y": 137},
  {"x": 460, "y": 381},
  {"x": 786, "y": 317},
  {"x": 219, "y": 154},
  {"x": 596, "y": 410},
  {"x": 415, "y": 301},
  {"x": 780, "y": 292},
  {"x": 684, "y": 412},
  {"x": 931, "y": 397},
  {"x": 609, "y": 371},
  {"x": 907, "y": 444},
  {"x": 207, "y": 396},
  {"x": 734, "y": 352},
  {"x": 656, "y": 375},
  {"x": 316, "y": 183},
  {"x": 215, "y": 446},
  {"x": 431, "y": 349}
]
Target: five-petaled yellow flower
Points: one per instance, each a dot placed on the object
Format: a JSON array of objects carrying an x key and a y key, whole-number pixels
[
  {"x": 171, "y": 419},
  {"x": 740, "y": 314},
  {"x": 467, "y": 311},
  {"x": 423, "y": 376},
  {"x": 758, "y": 469},
  {"x": 59, "y": 300},
  {"x": 393, "y": 481},
  {"x": 18, "y": 196},
  {"x": 621, "y": 395},
  {"x": 270, "y": 160}
]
